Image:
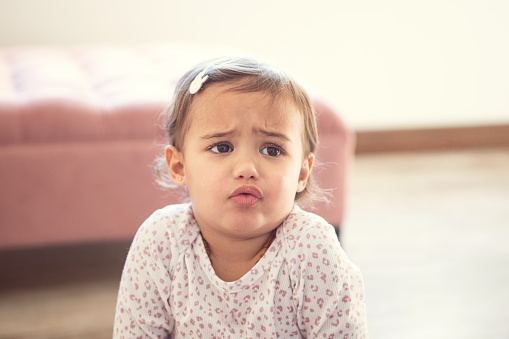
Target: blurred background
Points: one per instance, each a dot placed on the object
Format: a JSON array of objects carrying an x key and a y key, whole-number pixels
[
  {"x": 385, "y": 64},
  {"x": 424, "y": 84}
]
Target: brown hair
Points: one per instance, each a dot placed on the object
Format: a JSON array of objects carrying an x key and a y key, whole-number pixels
[{"x": 244, "y": 75}]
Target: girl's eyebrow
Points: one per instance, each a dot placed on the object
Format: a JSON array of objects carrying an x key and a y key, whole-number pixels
[
  {"x": 271, "y": 134},
  {"x": 218, "y": 135}
]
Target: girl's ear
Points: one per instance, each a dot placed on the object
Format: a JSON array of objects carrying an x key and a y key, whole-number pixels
[
  {"x": 305, "y": 171},
  {"x": 175, "y": 162}
]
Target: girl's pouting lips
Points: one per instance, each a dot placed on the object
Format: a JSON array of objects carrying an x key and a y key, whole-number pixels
[{"x": 246, "y": 195}]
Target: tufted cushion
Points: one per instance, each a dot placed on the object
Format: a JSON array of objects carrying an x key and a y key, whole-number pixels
[{"x": 87, "y": 93}]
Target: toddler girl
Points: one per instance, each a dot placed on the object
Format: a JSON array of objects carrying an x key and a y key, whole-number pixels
[{"x": 241, "y": 259}]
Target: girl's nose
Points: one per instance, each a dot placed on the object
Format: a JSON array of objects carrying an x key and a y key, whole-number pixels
[{"x": 245, "y": 168}]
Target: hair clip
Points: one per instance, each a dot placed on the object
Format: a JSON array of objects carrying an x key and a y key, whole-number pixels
[{"x": 198, "y": 82}]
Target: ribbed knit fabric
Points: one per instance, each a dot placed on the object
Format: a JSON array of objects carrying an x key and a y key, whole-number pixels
[{"x": 303, "y": 287}]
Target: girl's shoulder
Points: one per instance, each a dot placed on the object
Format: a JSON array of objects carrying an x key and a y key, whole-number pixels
[
  {"x": 306, "y": 235},
  {"x": 309, "y": 243},
  {"x": 171, "y": 226},
  {"x": 301, "y": 225}
]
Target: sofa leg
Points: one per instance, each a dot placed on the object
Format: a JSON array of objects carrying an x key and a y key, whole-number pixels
[{"x": 338, "y": 231}]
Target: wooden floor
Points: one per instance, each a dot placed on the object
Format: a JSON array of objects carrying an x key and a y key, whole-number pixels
[{"x": 429, "y": 231}]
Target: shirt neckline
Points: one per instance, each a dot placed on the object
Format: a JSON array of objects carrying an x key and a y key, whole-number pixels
[{"x": 244, "y": 282}]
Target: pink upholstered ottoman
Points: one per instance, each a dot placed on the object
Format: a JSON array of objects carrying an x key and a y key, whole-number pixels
[{"x": 79, "y": 130}]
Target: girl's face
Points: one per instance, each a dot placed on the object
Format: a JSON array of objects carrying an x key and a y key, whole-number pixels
[{"x": 242, "y": 161}]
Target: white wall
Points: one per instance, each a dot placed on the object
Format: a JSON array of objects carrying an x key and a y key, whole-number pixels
[{"x": 385, "y": 64}]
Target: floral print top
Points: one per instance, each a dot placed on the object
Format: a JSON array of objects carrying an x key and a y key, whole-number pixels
[{"x": 303, "y": 287}]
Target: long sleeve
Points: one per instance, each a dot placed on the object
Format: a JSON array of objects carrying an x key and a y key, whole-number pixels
[
  {"x": 329, "y": 291},
  {"x": 142, "y": 308}
]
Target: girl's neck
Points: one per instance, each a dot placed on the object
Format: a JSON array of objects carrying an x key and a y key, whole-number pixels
[{"x": 232, "y": 259}]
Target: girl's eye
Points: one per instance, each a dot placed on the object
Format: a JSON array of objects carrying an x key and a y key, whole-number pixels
[
  {"x": 221, "y": 148},
  {"x": 271, "y": 150}
]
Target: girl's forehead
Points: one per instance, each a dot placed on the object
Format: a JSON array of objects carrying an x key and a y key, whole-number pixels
[
  {"x": 221, "y": 111},
  {"x": 224, "y": 100}
]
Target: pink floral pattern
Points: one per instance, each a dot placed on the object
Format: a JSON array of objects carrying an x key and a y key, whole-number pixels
[{"x": 303, "y": 287}]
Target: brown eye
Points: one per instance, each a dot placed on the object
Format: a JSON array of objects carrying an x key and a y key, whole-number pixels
[
  {"x": 221, "y": 148},
  {"x": 271, "y": 151}
]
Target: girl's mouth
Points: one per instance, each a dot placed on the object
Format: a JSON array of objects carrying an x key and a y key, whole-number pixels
[{"x": 246, "y": 196}]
